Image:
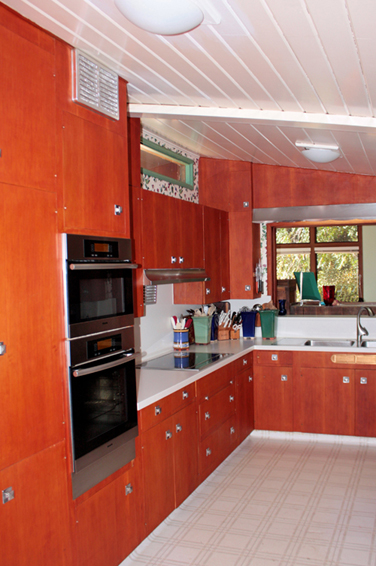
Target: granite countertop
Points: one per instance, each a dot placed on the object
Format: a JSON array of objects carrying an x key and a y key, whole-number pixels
[{"x": 153, "y": 385}]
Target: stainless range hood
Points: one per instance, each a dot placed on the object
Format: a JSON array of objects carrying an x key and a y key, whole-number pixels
[
  {"x": 168, "y": 276},
  {"x": 342, "y": 212}
]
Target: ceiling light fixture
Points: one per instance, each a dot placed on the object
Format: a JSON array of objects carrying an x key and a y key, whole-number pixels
[
  {"x": 164, "y": 17},
  {"x": 319, "y": 153}
]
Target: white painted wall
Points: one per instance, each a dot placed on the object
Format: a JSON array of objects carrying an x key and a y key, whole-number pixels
[{"x": 369, "y": 263}]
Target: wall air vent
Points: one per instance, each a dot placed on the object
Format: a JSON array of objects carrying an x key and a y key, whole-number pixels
[{"x": 96, "y": 86}]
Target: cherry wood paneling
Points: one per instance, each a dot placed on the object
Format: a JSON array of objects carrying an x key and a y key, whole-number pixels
[
  {"x": 275, "y": 186},
  {"x": 273, "y": 398},
  {"x": 35, "y": 524},
  {"x": 365, "y": 403},
  {"x": 94, "y": 178},
  {"x": 32, "y": 374},
  {"x": 27, "y": 104}
]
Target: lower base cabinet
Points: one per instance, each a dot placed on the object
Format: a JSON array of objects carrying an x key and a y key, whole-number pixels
[
  {"x": 273, "y": 398},
  {"x": 244, "y": 403},
  {"x": 365, "y": 402},
  {"x": 216, "y": 447}
]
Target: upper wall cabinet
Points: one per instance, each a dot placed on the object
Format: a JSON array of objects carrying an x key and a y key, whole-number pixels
[
  {"x": 27, "y": 105},
  {"x": 93, "y": 160},
  {"x": 172, "y": 232},
  {"x": 225, "y": 184}
]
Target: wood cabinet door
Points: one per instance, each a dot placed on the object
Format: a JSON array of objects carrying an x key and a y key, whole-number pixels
[
  {"x": 216, "y": 409},
  {"x": 242, "y": 255},
  {"x": 309, "y": 400},
  {"x": 339, "y": 401},
  {"x": 189, "y": 233},
  {"x": 95, "y": 178},
  {"x": 185, "y": 453},
  {"x": 365, "y": 402},
  {"x": 212, "y": 237},
  {"x": 158, "y": 473},
  {"x": 129, "y": 510},
  {"x": 35, "y": 524},
  {"x": 244, "y": 404},
  {"x": 27, "y": 105},
  {"x": 273, "y": 398},
  {"x": 157, "y": 230},
  {"x": 31, "y": 325},
  {"x": 225, "y": 257}
]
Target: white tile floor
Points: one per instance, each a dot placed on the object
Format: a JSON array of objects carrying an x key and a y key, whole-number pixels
[{"x": 279, "y": 499}]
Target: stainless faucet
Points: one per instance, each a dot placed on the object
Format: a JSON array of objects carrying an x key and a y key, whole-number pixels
[{"x": 361, "y": 332}]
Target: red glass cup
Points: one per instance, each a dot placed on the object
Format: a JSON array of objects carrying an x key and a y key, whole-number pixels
[{"x": 328, "y": 292}]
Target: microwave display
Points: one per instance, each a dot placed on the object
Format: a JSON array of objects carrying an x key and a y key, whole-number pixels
[{"x": 101, "y": 249}]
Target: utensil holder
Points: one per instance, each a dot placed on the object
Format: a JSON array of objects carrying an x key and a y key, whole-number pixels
[
  {"x": 234, "y": 334},
  {"x": 202, "y": 328},
  {"x": 223, "y": 333},
  {"x": 268, "y": 323},
  {"x": 181, "y": 340}
]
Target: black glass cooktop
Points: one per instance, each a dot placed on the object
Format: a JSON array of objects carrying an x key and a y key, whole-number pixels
[{"x": 193, "y": 361}]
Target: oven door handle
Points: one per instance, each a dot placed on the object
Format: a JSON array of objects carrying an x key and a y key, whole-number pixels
[
  {"x": 94, "y": 266},
  {"x": 86, "y": 371}
]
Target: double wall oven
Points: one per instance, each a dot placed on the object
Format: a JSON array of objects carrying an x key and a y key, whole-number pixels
[{"x": 100, "y": 350}]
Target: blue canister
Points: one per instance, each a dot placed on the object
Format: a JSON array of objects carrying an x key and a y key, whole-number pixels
[
  {"x": 214, "y": 328},
  {"x": 181, "y": 340},
  {"x": 248, "y": 323}
]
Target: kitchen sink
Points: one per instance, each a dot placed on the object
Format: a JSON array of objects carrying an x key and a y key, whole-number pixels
[
  {"x": 330, "y": 343},
  {"x": 369, "y": 344}
]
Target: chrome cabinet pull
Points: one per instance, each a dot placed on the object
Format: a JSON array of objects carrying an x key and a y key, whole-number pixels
[
  {"x": 208, "y": 452},
  {"x": 283, "y": 377},
  {"x": 185, "y": 394},
  {"x": 231, "y": 398},
  {"x": 118, "y": 209},
  {"x": 179, "y": 428},
  {"x": 206, "y": 398},
  {"x": 3, "y": 348},
  {"x": 274, "y": 357},
  {"x": 207, "y": 416},
  {"x": 181, "y": 259},
  {"x": 173, "y": 259},
  {"x": 363, "y": 381},
  {"x": 207, "y": 291},
  {"x": 232, "y": 430},
  {"x": 158, "y": 410},
  {"x": 128, "y": 489},
  {"x": 245, "y": 362},
  {"x": 168, "y": 434},
  {"x": 346, "y": 379},
  {"x": 250, "y": 378},
  {"x": 223, "y": 289}
]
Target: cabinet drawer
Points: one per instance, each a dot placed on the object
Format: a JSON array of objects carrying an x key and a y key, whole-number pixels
[
  {"x": 216, "y": 447},
  {"x": 183, "y": 397},
  {"x": 215, "y": 410},
  {"x": 273, "y": 358},
  {"x": 154, "y": 414},
  {"x": 214, "y": 382},
  {"x": 245, "y": 362}
]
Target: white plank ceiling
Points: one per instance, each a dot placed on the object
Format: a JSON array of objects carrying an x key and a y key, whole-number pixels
[{"x": 257, "y": 76}]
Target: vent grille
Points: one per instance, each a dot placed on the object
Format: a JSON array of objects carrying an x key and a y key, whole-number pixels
[
  {"x": 150, "y": 294},
  {"x": 96, "y": 86}
]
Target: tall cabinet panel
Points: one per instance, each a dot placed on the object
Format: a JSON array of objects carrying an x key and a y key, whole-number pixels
[{"x": 31, "y": 385}]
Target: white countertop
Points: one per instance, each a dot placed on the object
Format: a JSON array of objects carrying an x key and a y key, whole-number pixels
[{"x": 153, "y": 385}]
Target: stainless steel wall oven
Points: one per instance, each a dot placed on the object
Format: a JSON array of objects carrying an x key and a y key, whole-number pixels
[{"x": 100, "y": 349}]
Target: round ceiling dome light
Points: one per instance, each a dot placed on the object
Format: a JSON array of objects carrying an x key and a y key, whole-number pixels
[
  {"x": 164, "y": 17},
  {"x": 319, "y": 153}
]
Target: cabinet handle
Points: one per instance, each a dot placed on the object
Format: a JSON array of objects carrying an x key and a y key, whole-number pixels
[
  {"x": 128, "y": 489},
  {"x": 118, "y": 209},
  {"x": 173, "y": 259},
  {"x": 158, "y": 410},
  {"x": 231, "y": 398},
  {"x": 168, "y": 434},
  {"x": 207, "y": 291},
  {"x": 207, "y": 416},
  {"x": 274, "y": 357},
  {"x": 232, "y": 430},
  {"x": 245, "y": 362},
  {"x": 3, "y": 348},
  {"x": 346, "y": 379},
  {"x": 185, "y": 394},
  {"x": 206, "y": 398},
  {"x": 179, "y": 428},
  {"x": 250, "y": 378},
  {"x": 208, "y": 452},
  {"x": 181, "y": 259},
  {"x": 283, "y": 377},
  {"x": 231, "y": 382},
  {"x": 223, "y": 289},
  {"x": 363, "y": 381}
]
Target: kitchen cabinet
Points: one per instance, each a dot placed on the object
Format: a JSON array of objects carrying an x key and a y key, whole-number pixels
[
  {"x": 169, "y": 454},
  {"x": 27, "y": 105},
  {"x": 109, "y": 524},
  {"x": 95, "y": 178},
  {"x": 35, "y": 523},
  {"x": 31, "y": 325},
  {"x": 244, "y": 398},
  {"x": 309, "y": 400},
  {"x": 365, "y": 402},
  {"x": 172, "y": 232},
  {"x": 339, "y": 401},
  {"x": 244, "y": 253},
  {"x": 216, "y": 396},
  {"x": 225, "y": 184},
  {"x": 216, "y": 246},
  {"x": 273, "y": 390}
]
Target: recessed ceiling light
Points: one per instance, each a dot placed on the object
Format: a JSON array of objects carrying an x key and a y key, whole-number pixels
[
  {"x": 319, "y": 153},
  {"x": 164, "y": 17}
]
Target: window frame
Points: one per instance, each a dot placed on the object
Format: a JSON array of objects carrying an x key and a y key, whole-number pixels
[
  {"x": 185, "y": 161},
  {"x": 312, "y": 248}
]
